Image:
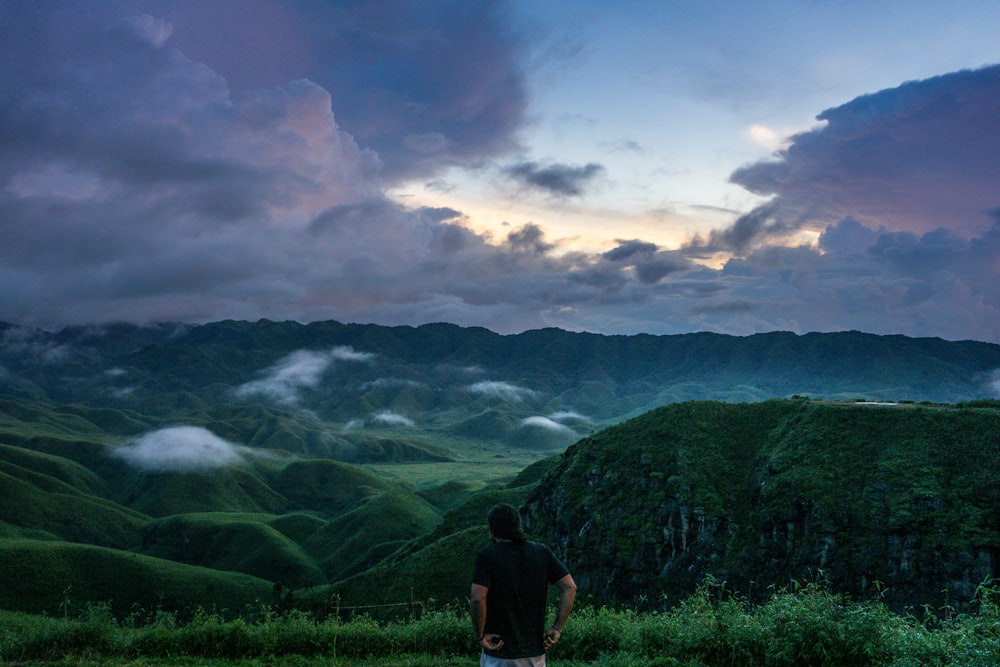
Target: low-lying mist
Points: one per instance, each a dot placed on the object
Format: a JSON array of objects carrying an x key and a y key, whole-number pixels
[{"x": 180, "y": 449}]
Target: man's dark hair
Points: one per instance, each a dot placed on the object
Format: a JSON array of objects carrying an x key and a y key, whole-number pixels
[{"x": 505, "y": 523}]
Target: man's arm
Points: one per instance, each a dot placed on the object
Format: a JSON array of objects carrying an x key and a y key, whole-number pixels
[
  {"x": 477, "y": 611},
  {"x": 567, "y": 595}
]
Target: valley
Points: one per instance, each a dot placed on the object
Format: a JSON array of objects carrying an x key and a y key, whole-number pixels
[{"x": 169, "y": 467}]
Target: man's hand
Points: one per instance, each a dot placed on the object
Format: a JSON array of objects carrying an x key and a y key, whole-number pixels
[
  {"x": 552, "y": 635},
  {"x": 491, "y": 642}
]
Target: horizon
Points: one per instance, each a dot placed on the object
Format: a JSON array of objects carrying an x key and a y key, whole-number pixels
[
  {"x": 102, "y": 325},
  {"x": 514, "y": 165}
]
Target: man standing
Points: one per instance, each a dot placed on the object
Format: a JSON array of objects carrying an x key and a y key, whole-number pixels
[{"x": 510, "y": 591}]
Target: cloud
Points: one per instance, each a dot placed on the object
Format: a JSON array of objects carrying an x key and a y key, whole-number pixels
[
  {"x": 994, "y": 383},
  {"x": 898, "y": 190},
  {"x": 392, "y": 383},
  {"x": 530, "y": 238},
  {"x": 560, "y": 180},
  {"x": 762, "y": 226},
  {"x": 503, "y": 390},
  {"x": 303, "y": 369},
  {"x": 180, "y": 449},
  {"x": 353, "y": 424},
  {"x": 348, "y": 353},
  {"x": 645, "y": 259},
  {"x": 400, "y": 89},
  {"x": 546, "y": 424},
  {"x": 563, "y": 416},
  {"x": 916, "y": 157},
  {"x": 23, "y": 342},
  {"x": 628, "y": 249},
  {"x": 150, "y": 171},
  {"x": 390, "y": 418},
  {"x": 150, "y": 29}
]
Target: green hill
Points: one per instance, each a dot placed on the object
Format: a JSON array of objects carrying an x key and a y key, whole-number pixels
[
  {"x": 360, "y": 538},
  {"x": 223, "y": 490},
  {"x": 437, "y": 565},
  {"x": 43, "y": 577},
  {"x": 330, "y": 486},
  {"x": 441, "y": 571},
  {"x": 283, "y": 520},
  {"x": 898, "y": 500},
  {"x": 232, "y": 542}
]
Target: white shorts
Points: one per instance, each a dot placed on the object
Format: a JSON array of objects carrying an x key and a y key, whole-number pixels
[{"x": 490, "y": 661}]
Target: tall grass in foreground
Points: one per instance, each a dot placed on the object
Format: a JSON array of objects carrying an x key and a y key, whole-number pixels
[{"x": 808, "y": 626}]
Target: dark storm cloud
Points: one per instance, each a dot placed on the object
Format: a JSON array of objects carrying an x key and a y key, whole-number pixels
[
  {"x": 626, "y": 249},
  {"x": 761, "y": 226},
  {"x": 656, "y": 269},
  {"x": 561, "y": 180},
  {"x": 151, "y": 170},
  {"x": 649, "y": 264},
  {"x": 916, "y": 157},
  {"x": 425, "y": 86},
  {"x": 530, "y": 238}
]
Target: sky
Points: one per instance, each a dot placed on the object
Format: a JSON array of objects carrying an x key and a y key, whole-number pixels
[{"x": 620, "y": 168}]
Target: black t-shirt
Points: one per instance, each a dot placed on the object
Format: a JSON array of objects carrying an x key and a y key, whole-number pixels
[{"x": 517, "y": 576}]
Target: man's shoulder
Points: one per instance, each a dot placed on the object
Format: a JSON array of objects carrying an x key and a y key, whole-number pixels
[
  {"x": 538, "y": 546},
  {"x": 528, "y": 545}
]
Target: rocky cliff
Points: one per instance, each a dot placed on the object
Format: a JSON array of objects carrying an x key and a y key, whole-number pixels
[{"x": 900, "y": 501}]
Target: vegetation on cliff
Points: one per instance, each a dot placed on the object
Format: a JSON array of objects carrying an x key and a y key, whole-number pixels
[{"x": 899, "y": 500}]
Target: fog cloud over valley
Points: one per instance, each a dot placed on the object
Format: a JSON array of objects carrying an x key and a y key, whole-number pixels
[
  {"x": 392, "y": 418},
  {"x": 548, "y": 424},
  {"x": 303, "y": 369},
  {"x": 180, "y": 449},
  {"x": 506, "y": 391}
]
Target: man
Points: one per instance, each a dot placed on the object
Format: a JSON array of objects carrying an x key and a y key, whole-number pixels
[{"x": 510, "y": 591}]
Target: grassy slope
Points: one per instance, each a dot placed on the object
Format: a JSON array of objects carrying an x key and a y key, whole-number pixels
[
  {"x": 232, "y": 542},
  {"x": 437, "y": 565},
  {"x": 41, "y": 576},
  {"x": 297, "y": 522},
  {"x": 52, "y": 494},
  {"x": 363, "y": 536},
  {"x": 219, "y": 490},
  {"x": 775, "y": 490}
]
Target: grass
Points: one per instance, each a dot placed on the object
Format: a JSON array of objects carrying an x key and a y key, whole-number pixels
[
  {"x": 229, "y": 542},
  {"x": 807, "y": 625},
  {"x": 36, "y": 577},
  {"x": 476, "y": 468}
]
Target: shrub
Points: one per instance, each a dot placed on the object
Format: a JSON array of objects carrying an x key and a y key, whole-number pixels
[{"x": 807, "y": 625}]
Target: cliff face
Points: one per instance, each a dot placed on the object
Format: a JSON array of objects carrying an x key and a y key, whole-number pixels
[{"x": 897, "y": 501}]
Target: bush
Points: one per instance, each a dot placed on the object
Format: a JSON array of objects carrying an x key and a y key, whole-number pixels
[{"x": 804, "y": 626}]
